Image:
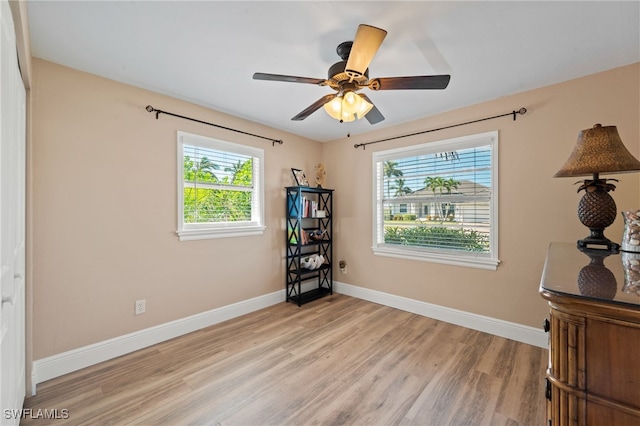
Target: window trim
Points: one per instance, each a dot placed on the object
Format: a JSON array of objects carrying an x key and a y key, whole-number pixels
[
  {"x": 192, "y": 231},
  {"x": 489, "y": 260}
]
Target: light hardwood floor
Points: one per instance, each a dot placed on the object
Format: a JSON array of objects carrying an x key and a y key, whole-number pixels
[{"x": 338, "y": 360}]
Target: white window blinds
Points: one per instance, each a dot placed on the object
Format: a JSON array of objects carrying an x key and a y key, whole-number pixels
[
  {"x": 438, "y": 201},
  {"x": 220, "y": 188}
]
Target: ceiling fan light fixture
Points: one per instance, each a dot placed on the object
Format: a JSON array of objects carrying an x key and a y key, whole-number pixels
[
  {"x": 348, "y": 107},
  {"x": 356, "y": 105},
  {"x": 352, "y": 74},
  {"x": 334, "y": 107}
]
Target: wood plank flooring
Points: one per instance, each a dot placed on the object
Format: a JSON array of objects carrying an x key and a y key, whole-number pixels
[{"x": 338, "y": 360}]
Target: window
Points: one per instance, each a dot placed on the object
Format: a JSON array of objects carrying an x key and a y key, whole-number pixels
[
  {"x": 452, "y": 187},
  {"x": 220, "y": 190}
]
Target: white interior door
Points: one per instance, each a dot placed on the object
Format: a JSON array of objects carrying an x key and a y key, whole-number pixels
[{"x": 12, "y": 225}]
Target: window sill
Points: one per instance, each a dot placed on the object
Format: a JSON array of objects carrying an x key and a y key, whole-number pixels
[
  {"x": 227, "y": 232},
  {"x": 467, "y": 260}
]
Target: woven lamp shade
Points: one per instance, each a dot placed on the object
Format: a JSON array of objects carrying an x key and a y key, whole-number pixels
[{"x": 599, "y": 150}]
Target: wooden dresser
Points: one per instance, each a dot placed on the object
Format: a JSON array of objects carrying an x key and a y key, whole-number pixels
[{"x": 594, "y": 336}]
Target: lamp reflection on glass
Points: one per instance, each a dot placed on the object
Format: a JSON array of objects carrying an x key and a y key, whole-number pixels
[
  {"x": 595, "y": 279},
  {"x": 347, "y": 107},
  {"x": 598, "y": 150}
]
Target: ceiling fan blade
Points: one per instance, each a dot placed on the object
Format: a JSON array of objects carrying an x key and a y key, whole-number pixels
[
  {"x": 374, "y": 115},
  {"x": 365, "y": 45},
  {"x": 314, "y": 107},
  {"x": 287, "y": 78},
  {"x": 415, "y": 82}
]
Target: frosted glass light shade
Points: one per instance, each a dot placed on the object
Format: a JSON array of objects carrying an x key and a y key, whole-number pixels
[{"x": 348, "y": 107}]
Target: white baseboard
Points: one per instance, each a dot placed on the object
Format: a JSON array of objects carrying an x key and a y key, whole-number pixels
[
  {"x": 57, "y": 365},
  {"x": 509, "y": 330}
]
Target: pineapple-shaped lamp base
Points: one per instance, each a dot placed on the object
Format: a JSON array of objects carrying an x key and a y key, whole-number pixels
[{"x": 596, "y": 211}]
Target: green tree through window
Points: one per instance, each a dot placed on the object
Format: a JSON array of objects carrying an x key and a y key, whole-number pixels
[
  {"x": 208, "y": 198},
  {"x": 221, "y": 186}
]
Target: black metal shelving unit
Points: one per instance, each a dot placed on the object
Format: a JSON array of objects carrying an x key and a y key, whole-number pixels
[{"x": 302, "y": 218}]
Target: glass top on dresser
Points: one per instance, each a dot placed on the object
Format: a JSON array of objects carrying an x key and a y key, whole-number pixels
[{"x": 592, "y": 274}]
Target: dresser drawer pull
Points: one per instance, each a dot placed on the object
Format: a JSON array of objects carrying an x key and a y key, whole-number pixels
[{"x": 547, "y": 392}]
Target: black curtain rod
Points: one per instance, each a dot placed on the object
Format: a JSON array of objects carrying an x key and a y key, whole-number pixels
[
  {"x": 521, "y": 111},
  {"x": 158, "y": 112}
]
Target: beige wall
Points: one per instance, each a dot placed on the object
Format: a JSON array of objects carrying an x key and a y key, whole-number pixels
[
  {"x": 535, "y": 208},
  {"x": 104, "y": 212},
  {"x": 103, "y": 207}
]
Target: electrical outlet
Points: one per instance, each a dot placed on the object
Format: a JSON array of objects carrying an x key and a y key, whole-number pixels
[{"x": 141, "y": 307}]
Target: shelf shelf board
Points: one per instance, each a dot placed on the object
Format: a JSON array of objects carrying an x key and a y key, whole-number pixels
[
  {"x": 305, "y": 271},
  {"x": 312, "y": 243},
  {"x": 310, "y": 295}
]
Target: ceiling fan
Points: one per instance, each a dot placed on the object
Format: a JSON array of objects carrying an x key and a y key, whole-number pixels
[{"x": 352, "y": 74}]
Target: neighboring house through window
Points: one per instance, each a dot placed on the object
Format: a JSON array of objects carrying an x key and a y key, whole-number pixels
[
  {"x": 452, "y": 187},
  {"x": 220, "y": 188}
]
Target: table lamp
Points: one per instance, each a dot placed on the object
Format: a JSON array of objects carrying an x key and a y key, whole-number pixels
[{"x": 598, "y": 150}]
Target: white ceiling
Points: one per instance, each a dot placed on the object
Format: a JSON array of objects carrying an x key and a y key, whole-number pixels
[{"x": 206, "y": 52}]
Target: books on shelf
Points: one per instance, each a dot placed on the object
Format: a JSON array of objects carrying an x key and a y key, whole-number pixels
[{"x": 307, "y": 207}]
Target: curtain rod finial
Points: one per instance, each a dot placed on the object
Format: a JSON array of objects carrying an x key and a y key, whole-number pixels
[
  {"x": 149, "y": 108},
  {"x": 521, "y": 111}
]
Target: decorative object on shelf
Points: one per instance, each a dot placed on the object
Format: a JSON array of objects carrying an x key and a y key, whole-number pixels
[
  {"x": 312, "y": 262},
  {"x": 598, "y": 150},
  {"x": 631, "y": 234},
  {"x": 305, "y": 262},
  {"x": 320, "y": 174},
  {"x": 321, "y": 214},
  {"x": 318, "y": 235},
  {"x": 301, "y": 179}
]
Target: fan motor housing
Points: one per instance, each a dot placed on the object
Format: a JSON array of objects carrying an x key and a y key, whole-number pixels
[{"x": 337, "y": 74}]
